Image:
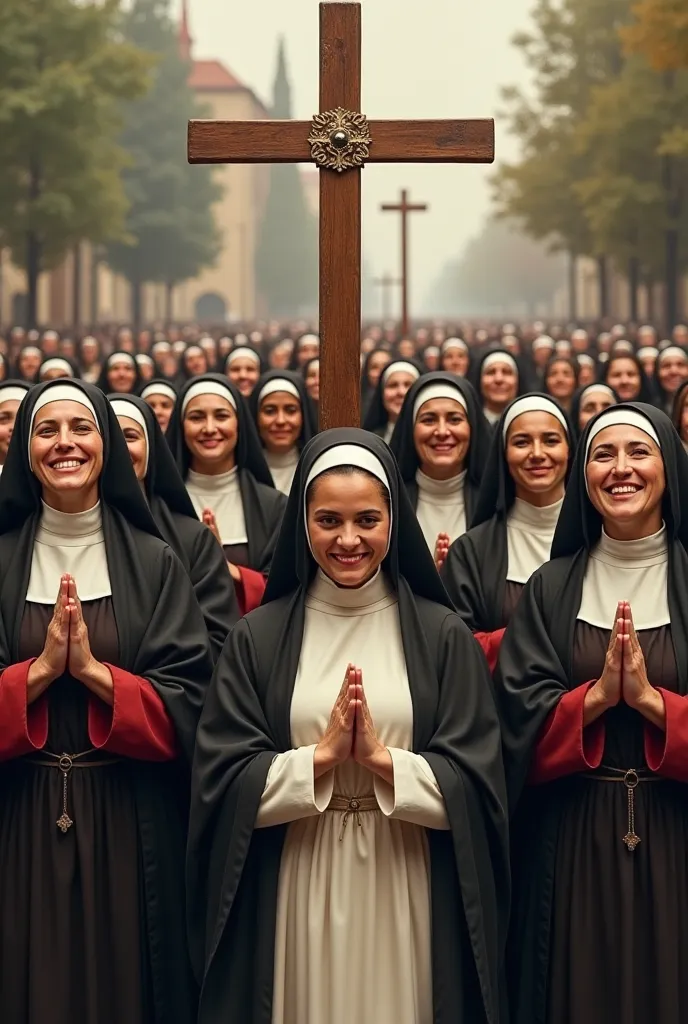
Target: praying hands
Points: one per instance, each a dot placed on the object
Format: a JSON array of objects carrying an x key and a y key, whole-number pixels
[{"x": 351, "y": 733}]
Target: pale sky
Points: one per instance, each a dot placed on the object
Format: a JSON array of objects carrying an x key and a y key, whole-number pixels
[{"x": 421, "y": 58}]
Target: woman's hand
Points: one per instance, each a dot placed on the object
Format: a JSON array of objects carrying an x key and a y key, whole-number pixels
[
  {"x": 638, "y": 692},
  {"x": 606, "y": 692},
  {"x": 82, "y": 665},
  {"x": 52, "y": 661},
  {"x": 368, "y": 751},
  {"x": 335, "y": 746},
  {"x": 211, "y": 523},
  {"x": 441, "y": 549}
]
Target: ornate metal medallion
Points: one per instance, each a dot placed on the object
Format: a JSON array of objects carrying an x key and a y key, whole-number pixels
[{"x": 340, "y": 139}]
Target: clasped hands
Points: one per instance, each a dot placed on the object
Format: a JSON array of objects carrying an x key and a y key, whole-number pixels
[
  {"x": 67, "y": 647},
  {"x": 350, "y": 732},
  {"x": 210, "y": 521},
  {"x": 624, "y": 677}
]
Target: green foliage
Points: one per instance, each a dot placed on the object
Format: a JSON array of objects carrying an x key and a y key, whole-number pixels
[
  {"x": 170, "y": 225},
  {"x": 287, "y": 251},
  {"x": 63, "y": 71}
]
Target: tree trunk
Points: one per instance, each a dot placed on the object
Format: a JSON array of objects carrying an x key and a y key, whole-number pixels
[
  {"x": 136, "y": 303},
  {"x": 94, "y": 297},
  {"x": 672, "y": 280},
  {"x": 603, "y": 284},
  {"x": 76, "y": 287},
  {"x": 573, "y": 287},
  {"x": 650, "y": 286},
  {"x": 169, "y": 297},
  {"x": 633, "y": 286},
  {"x": 33, "y": 269}
]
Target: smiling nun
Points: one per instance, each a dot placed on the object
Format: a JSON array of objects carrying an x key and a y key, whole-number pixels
[{"x": 348, "y": 854}]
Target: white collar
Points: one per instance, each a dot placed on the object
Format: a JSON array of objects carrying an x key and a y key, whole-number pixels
[
  {"x": 324, "y": 594},
  {"x": 627, "y": 570},
  {"x": 71, "y": 543},
  {"x": 221, "y": 494},
  {"x": 446, "y": 492}
]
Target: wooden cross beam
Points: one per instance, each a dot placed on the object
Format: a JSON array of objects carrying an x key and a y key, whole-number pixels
[
  {"x": 404, "y": 207},
  {"x": 340, "y": 140},
  {"x": 386, "y": 283}
]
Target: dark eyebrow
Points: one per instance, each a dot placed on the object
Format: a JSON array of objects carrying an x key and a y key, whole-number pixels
[{"x": 74, "y": 419}]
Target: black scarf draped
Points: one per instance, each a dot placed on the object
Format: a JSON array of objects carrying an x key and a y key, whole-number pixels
[
  {"x": 233, "y": 869},
  {"x": 308, "y": 424}
]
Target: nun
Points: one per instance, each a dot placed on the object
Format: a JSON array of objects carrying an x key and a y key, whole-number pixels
[
  {"x": 217, "y": 450},
  {"x": 282, "y": 413},
  {"x": 56, "y": 368},
  {"x": 455, "y": 356},
  {"x": 517, "y": 511},
  {"x": 588, "y": 401},
  {"x": 120, "y": 373},
  {"x": 388, "y": 397},
  {"x": 243, "y": 367},
  {"x": 560, "y": 379},
  {"x": 28, "y": 363},
  {"x": 105, "y": 662},
  {"x": 679, "y": 415},
  {"x": 160, "y": 396},
  {"x": 499, "y": 382},
  {"x": 625, "y": 374},
  {"x": 371, "y": 371},
  {"x": 670, "y": 372},
  {"x": 348, "y": 852},
  {"x": 441, "y": 442},
  {"x": 12, "y": 394},
  {"x": 593, "y": 679},
  {"x": 176, "y": 519}
]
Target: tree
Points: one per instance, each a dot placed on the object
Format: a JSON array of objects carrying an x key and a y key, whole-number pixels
[
  {"x": 287, "y": 251},
  {"x": 660, "y": 33},
  {"x": 63, "y": 71},
  {"x": 171, "y": 229}
]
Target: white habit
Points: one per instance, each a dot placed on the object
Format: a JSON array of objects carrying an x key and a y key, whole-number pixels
[
  {"x": 353, "y": 937},
  {"x": 282, "y": 467},
  {"x": 441, "y": 507},
  {"x": 529, "y": 534},
  {"x": 222, "y": 494}
]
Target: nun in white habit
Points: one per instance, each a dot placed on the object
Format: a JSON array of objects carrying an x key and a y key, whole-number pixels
[
  {"x": 348, "y": 855},
  {"x": 282, "y": 413}
]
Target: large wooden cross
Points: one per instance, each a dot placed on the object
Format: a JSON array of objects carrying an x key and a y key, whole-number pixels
[
  {"x": 386, "y": 283},
  {"x": 404, "y": 207},
  {"x": 340, "y": 140}
]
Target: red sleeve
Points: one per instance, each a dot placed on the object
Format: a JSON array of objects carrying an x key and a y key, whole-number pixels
[
  {"x": 490, "y": 643},
  {"x": 565, "y": 746},
  {"x": 137, "y": 724},
  {"x": 666, "y": 751},
  {"x": 249, "y": 589},
  {"x": 23, "y": 726}
]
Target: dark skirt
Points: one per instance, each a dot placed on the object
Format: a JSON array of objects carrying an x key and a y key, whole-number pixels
[
  {"x": 608, "y": 928},
  {"x": 73, "y": 943}
]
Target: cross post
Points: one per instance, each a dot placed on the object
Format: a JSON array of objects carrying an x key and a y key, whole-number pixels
[
  {"x": 385, "y": 284},
  {"x": 404, "y": 207},
  {"x": 340, "y": 141}
]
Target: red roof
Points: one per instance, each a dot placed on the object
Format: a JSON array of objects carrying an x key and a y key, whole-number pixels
[{"x": 212, "y": 76}]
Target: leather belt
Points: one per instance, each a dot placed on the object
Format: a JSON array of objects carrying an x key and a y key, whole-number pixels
[
  {"x": 65, "y": 763},
  {"x": 352, "y": 806}
]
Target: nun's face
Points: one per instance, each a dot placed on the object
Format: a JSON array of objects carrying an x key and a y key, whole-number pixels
[
  {"x": 244, "y": 372},
  {"x": 279, "y": 422},
  {"x": 307, "y": 350},
  {"x": 162, "y": 406},
  {"x": 55, "y": 374},
  {"x": 66, "y": 451},
  {"x": 672, "y": 371},
  {"x": 586, "y": 374},
  {"x": 376, "y": 365},
  {"x": 624, "y": 377},
  {"x": 147, "y": 370},
  {"x": 561, "y": 381},
  {"x": 648, "y": 364},
  {"x": 499, "y": 384},
  {"x": 406, "y": 349},
  {"x": 89, "y": 352},
  {"x": 29, "y": 363},
  {"x": 280, "y": 357},
  {"x": 8, "y": 415},
  {"x": 456, "y": 360},
  {"x": 394, "y": 392},
  {"x": 537, "y": 452},
  {"x": 592, "y": 403},
  {"x": 136, "y": 443},
  {"x": 312, "y": 381},
  {"x": 348, "y": 525},
  {"x": 541, "y": 355},
  {"x": 626, "y": 481},
  {"x": 442, "y": 436},
  {"x": 196, "y": 362},
  {"x": 211, "y": 431},
  {"x": 121, "y": 377}
]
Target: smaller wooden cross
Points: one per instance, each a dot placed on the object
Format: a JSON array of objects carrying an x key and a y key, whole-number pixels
[
  {"x": 385, "y": 284},
  {"x": 404, "y": 208},
  {"x": 340, "y": 141}
]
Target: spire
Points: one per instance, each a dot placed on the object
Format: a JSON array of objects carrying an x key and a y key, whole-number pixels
[
  {"x": 281, "y": 94},
  {"x": 185, "y": 40}
]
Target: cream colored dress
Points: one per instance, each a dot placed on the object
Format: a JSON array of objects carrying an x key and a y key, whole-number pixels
[{"x": 353, "y": 939}]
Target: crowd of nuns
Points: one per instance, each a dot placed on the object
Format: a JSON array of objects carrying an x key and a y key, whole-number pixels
[{"x": 385, "y": 724}]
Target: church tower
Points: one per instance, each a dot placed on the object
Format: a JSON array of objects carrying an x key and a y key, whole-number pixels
[{"x": 185, "y": 40}]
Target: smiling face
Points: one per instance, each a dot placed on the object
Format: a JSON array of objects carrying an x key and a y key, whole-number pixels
[
  {"x": 593, "y": 402},
  {"x": 211, "y": 431},
  {"x": 307, "y": 350},
  {"x": 8, "y": 415},
  {"x": 348, "y": 523},
  {"x": 560, "y": 380},
  {"x": 455, "y": 360},
  {"x": 672, "y": 371},
  {"x": 394, "y": 393},
  {"x": 244, "y": 372},
  {"x": 121, "y": 377},
  {"x": 626, "y": 481},
  {"x": 376, "y": 365},
  {"x": 137, "y": 444},
  {"x": 442, "y": 436},
  {"x": 162, "y": 406},
  {"x": 279, "y": 422},
  {"x": 196, "y": 362},
  {"x": 312, "y": 380},
  {"x": 28, "y": 364},
  {"x": 537, "y": 452},
  {"x": 624, "y": 377},
  {"x": 66, "y": 451},
  {"x": 498, "y": 385}
]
